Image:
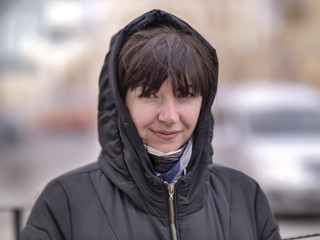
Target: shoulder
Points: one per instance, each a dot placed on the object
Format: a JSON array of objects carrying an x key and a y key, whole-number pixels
[
  {"x": 51, "y": 214},
  {"x": 87, "y": 169},
  {"x": 231, "y": 175},
  {"x": 78, "y": 173},
  {"x": 247, "y": 204},
  {"x": 73, "y": 183},
  {"x": 77, "y": 180},
  {"x": 73, "y": 189},
  {"x": 233, "y": 183},
  {"x": 72, "y": 177}
]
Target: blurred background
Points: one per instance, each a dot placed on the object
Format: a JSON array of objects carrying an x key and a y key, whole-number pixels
[{"x": 267, "y": 108}]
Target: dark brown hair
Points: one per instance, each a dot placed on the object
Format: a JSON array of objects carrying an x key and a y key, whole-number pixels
[{"x": 151, "y": 56}]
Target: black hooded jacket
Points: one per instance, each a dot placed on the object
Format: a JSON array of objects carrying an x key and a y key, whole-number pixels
[{"x": 120, "y": 197}]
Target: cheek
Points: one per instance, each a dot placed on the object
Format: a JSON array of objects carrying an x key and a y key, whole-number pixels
[
  {"x": 191, "y": 114},
  {"x": 191, "y": 118},
  {"x": 141, "y": 117}
]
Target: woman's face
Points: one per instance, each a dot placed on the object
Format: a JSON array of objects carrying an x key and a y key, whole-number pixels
[{"x": 165, "y": 120}]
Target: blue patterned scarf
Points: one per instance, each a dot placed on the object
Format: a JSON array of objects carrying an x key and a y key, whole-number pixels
[{"x": 172, "y": 165}]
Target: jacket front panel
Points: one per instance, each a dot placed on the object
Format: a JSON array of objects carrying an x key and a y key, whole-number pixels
[{"x": 85, "y": 205}]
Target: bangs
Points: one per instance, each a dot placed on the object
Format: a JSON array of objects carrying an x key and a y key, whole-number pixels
[
  {"x": 171, "y": 58},
  {"x": 167, "y": 54}
]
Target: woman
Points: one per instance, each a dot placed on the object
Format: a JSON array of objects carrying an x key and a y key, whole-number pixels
[{"x": 154, "y": 178}]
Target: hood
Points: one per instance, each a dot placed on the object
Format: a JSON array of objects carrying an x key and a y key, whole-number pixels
[{"x": 123, "y": 158}]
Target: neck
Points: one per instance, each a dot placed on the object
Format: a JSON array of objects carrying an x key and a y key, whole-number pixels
[{"x": 170, "y": 166}]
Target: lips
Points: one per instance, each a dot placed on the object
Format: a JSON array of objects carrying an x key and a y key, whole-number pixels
[{"x": 167, "y": 135}]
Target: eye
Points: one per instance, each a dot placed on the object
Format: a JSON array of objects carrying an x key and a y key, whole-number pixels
[
  {"x": 185, "y": 95},
  {"x": 147, "y": 95}
]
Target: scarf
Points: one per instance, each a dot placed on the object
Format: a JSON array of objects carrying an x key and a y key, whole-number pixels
[{"x": 172, "y": 165}]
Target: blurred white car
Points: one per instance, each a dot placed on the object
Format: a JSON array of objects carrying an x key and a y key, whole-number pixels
[{"x": 272, "y": 133}]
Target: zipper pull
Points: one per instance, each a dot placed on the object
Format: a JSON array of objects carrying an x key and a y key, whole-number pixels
[{"x": 171, "y": 188}]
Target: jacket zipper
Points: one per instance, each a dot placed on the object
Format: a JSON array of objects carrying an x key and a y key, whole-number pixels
[{"x": 171, "y": 188}]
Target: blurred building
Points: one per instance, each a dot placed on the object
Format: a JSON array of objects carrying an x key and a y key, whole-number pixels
[
  {"x": 47, "y": 56},
  {"x": 51, "y": 51}
]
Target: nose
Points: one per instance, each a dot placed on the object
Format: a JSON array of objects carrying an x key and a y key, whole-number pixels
[{"x": 169, "y": 113}]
